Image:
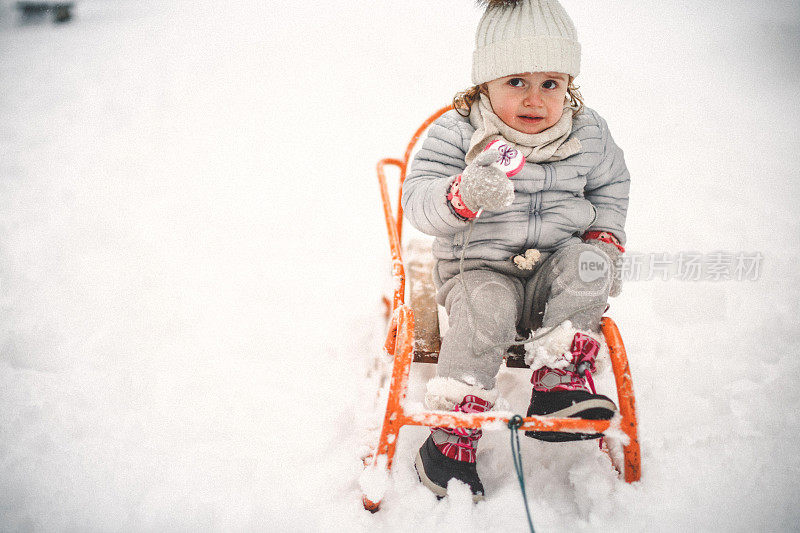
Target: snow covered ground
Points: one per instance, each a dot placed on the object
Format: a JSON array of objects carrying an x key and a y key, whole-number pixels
[{"x": 192, "y": 254}]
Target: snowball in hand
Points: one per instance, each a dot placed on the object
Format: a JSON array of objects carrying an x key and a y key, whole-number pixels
[{"x": 484, "y": 186}]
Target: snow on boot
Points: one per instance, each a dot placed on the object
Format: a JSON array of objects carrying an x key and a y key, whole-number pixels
[
  {"x": 562, "y": 392},
  {"x": 450, "y": 453}
]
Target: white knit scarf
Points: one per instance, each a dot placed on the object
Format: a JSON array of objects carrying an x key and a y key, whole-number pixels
[{"x": 553, "y": 144}]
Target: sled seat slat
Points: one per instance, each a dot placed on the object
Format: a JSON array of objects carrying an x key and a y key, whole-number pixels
[{"x": 422, "y": 299}]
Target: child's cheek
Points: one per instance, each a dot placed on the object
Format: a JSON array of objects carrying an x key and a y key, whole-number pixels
[{"x": 556, "y": 109}]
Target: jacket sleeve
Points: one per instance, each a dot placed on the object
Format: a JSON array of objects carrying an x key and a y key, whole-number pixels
[
  {"x": 608, "y": 186},
  {"x": 428, "y": 180}
]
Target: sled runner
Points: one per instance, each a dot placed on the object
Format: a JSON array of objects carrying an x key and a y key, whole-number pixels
[{"x": 414, "y": 335}]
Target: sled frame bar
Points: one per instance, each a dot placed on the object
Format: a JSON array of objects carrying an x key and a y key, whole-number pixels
[{"x": 400, "y": 342}]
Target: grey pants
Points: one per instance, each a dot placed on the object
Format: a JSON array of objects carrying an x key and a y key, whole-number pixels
[{"x": 570, "y": 283}]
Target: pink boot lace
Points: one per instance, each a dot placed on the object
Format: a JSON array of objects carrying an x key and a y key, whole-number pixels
[
  {"x": 459, "y": 443},
  {"x": 583, "y": 354}
]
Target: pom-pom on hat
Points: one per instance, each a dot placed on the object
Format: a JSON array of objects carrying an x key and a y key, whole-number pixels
[{"x": 516, "y": 36}]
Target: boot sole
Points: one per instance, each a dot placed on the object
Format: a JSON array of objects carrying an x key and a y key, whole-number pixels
[
  {"x": 597, "y": 409},
  {"x": 440, "y": 492}
]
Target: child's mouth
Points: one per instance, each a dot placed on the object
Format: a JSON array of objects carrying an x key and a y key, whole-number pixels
[{"x": 530, "y": 118}]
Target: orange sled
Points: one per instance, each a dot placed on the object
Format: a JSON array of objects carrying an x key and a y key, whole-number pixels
[{"x": 405, "y": 341}]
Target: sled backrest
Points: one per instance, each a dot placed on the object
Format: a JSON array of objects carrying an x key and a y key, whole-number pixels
[{"x": 396, "y": 219}]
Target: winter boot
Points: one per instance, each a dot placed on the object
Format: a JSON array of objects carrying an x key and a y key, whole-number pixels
[
  {"x": 450, "y": 453},
  {"x": 562, "y": 393}
]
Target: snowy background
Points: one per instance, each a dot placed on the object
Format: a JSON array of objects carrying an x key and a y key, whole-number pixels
[{"x": 192, "y": 255}]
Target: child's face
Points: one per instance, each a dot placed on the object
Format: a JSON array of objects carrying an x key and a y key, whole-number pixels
[{"x": 530, "y": 102}]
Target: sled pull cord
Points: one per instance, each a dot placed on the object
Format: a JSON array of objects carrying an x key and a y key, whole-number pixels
[{"x": 514, "y": 424}]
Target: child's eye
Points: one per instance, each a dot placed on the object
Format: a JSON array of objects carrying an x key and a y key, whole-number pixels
[
  {"x": 550, "y": 84},
  {"x": 516, "y": 82}
]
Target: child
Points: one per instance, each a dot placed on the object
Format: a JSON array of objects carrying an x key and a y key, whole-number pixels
[{"x": 528, "y": 233}]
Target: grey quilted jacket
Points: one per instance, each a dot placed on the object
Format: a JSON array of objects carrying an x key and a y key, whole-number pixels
[{"x": 554, "y": 203}]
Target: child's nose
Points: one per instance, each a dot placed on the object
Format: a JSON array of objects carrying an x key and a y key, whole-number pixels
[{"x": 533, "y": 98}]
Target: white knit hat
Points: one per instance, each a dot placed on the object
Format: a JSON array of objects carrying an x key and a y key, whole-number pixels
[{"x": 524, "y": 36}]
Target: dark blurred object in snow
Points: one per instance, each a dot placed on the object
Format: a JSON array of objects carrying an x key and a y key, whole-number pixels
[{"x": 31, "y": 12}]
